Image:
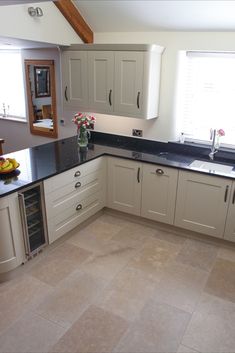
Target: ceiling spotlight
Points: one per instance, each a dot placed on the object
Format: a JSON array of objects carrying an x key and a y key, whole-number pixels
[{"x": 35, "y": 12}]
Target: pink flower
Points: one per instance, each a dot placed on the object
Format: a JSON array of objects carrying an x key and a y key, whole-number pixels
[
  {"x": 221, "y": 132},
  {"x": 85, "y": 121}
]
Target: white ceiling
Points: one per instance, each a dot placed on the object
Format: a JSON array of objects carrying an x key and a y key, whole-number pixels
[
  {"x": 159, "y": 15},
  {"x": 19, "y": 2}
]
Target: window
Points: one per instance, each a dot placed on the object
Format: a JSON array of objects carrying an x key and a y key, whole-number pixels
[
  {"x": 12, "y": 97},
  {"x": 207, "y": 94}
]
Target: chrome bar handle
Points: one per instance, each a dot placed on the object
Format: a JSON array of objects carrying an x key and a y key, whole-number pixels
[
  {"x": 138, "y": 175},
  {"x": 24, "y": 223},
  {"x": 226, "y": 193},
  {"x": 66, "y": 94},
  {"x": 110, "y": 96},
  {"x": 138, "y": 100},
  {"x": 233, "y": 200}
]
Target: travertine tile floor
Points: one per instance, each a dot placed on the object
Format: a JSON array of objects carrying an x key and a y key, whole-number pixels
[{"x": 117, "y": 286}]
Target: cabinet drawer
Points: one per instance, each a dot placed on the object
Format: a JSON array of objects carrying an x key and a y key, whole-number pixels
[
  {"x": 73, "y": 175},
  {"x": 73, "y": 215},
  {"x": 59, "y": 200}
]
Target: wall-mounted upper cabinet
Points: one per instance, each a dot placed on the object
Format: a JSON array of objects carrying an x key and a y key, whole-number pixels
[
  {"x": 129, "y": 76},
  {"x": 75, "y": 83},
  {"x": 123, "y": 79},
  {"x": 100, "y": 78}
]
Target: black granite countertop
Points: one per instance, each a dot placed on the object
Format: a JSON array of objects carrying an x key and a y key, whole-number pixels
[{"x": 44, "y": 161}]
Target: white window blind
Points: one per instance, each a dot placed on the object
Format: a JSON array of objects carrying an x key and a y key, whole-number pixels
[
  {"x": 12, "y": 98},
  {"x": 207, "y": 96}
]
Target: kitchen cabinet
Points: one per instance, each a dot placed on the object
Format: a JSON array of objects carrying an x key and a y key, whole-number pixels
[
  {"x": 101, "y": 80},
  {"x": 73, "y": 196},
  {"x": 159, "y": 186},
  {"x": 74, "y": 83},
  {"x": 202, "y": 203},
  {"x": 124, "y": 185},
  {"x": 123, "y": 79},
  {"x": 11, "y": 237},
  {"x": 229, "y": 232},
  {"x": 129, "y": 76}
]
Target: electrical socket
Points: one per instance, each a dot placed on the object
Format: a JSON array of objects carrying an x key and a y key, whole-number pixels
[{"x": 136, "y": 132}]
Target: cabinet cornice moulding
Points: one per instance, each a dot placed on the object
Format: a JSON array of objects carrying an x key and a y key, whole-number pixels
[{"x": 75, "y": 19}]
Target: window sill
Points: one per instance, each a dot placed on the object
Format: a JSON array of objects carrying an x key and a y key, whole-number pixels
[{"x": 18, "y": 120}]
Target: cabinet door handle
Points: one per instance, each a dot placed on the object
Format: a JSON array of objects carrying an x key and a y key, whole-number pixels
[
  {"x": 233, "y": 200},
  {"x": 226, "y": 193},
  {"x": 77, "y": 185},
  {"x": 77, "y": 174},
  {"x": 110, "y": 97},
  {"x": 138, "y": 175},
  {"x": 24, "y": 224},
  {"x": 79, "y": 207},
  {"x": 138, "y": 100},
  {"x": 65, "y": 93},
  {"x": 160, "y": 171}
]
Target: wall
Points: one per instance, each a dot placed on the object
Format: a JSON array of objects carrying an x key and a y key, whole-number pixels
[
  {"x": 165, "y": 127},
  {"x": 52, "y": 27},
  {"x": 17, "y": 134}
]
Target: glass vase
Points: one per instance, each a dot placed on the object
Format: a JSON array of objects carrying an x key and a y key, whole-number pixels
[{"x": 83, "y": 136}]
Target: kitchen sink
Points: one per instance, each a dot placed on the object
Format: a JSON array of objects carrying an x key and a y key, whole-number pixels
[{"x": 214, "y": 167}]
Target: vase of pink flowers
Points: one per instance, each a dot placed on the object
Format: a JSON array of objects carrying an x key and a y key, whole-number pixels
[{"x": 84, "y": 123}]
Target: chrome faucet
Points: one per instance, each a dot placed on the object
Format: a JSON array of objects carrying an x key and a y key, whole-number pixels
[{"x": 213, "y": 133}]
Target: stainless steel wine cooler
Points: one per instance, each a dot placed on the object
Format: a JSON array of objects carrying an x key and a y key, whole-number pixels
[{"x": 33, "y": 217}]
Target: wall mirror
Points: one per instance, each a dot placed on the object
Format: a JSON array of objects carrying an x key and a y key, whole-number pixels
[
  {"x": 42, "y": 81},
  {"x": 41, "y": 96}
]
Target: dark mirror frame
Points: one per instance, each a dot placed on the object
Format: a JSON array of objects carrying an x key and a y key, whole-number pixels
[
  {"x": 49, "y": 64},
  {"x": 42, "y": 81}
]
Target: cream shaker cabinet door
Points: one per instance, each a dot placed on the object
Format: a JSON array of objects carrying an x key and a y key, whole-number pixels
[
  {"x": 74, "y": 79},
  {"x": 12, "y": 252},
  {"x": 100, "y": 78},
  {"x": 229, "y": 232},
  {"x": 129, "y": 72},
  {"x": 202, "y": 203},
  {"x": 159, "y": 187},
  {"x": 124, "y": 185}
]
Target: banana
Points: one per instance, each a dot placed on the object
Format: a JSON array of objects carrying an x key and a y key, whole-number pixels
[
  {"x": 5, "y": 164},
  {"x": 8, "y": 167},
  {"x": 8, "y": 164},
  {"x": 14, "y": 162}
]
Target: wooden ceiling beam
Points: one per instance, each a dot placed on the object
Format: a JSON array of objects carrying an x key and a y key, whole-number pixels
[{"x": 75, "y": 19}]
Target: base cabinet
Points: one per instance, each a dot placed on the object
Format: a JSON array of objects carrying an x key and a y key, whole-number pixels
[
  {"x": 189, "y": 200},
  {"x": 11, "y": 237},
  {"x": 124, "y": 185},
  {"x": 229, "y": 233},
  {"x": 74, "y": 196},
  {"x": 159, "y": 187},
  {"x": 202, "y": 203}
]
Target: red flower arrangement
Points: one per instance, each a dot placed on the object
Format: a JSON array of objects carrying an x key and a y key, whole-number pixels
[{"x": 84, "y": 121}]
